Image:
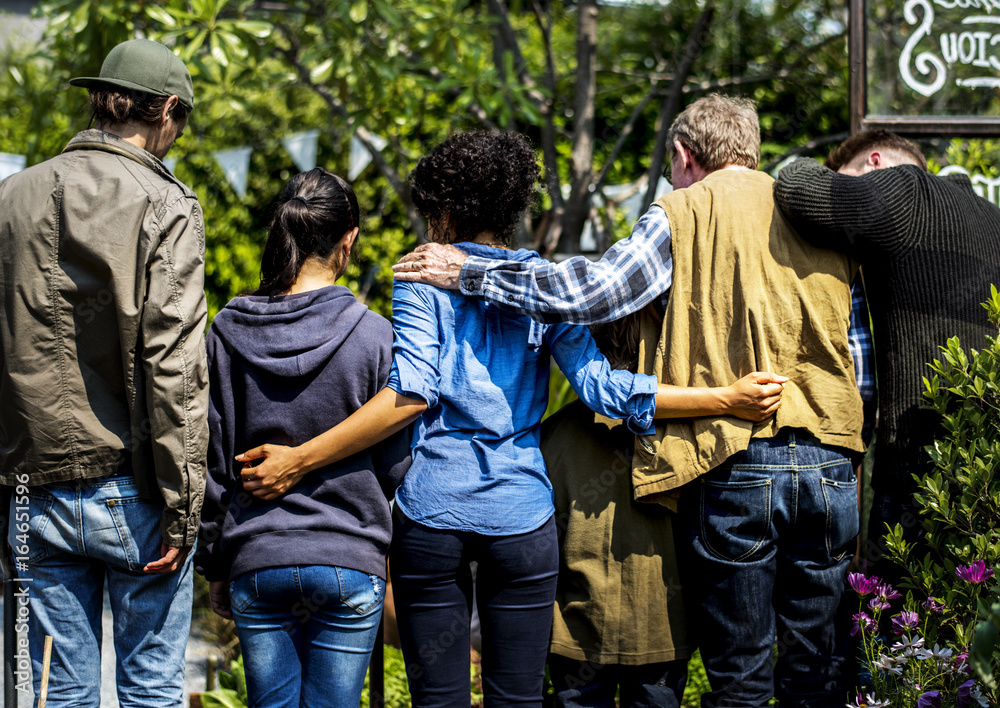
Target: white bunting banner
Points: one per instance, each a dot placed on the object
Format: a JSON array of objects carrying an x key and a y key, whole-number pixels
[
  {"x": 236, "y": 164},
  {"x": 9, "y": 164},
  {"x": 360, "y": 158},
  {"x": 302, "y": 148},
  {"x": 170, "y": 163}
]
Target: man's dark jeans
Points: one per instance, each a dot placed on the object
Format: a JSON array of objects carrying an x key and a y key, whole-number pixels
[{"x": 769, "y": 536}]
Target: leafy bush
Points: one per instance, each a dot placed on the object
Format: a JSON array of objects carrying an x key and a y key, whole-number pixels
[
  {"x": 925, "y": 659},
  {"x": 232, "y": 691}
]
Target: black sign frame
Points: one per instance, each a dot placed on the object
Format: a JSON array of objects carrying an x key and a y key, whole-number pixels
[{"x": 857, "y": 43}]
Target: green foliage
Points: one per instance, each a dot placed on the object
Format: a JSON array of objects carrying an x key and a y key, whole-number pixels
[
  {"x": 697, "y": 683},
  {"x": 413, "y": 71},
  {"x": 960, "y": 516},
  {"x": 986, "y": 647},
  {"x": 397, "y": 690},
  {"x": 232, "y": 691}
]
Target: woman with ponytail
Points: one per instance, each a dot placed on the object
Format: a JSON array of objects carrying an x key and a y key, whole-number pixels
[{"x": 303, "y": 576}]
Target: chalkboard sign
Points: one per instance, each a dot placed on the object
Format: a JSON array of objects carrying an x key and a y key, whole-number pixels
[{"x": 926, "y": 66}]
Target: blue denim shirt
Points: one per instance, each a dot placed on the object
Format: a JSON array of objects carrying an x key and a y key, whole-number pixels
[{"x": 484, "y": 374}]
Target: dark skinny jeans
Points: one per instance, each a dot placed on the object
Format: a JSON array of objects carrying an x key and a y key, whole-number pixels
[{"x": 515, "y": 591}]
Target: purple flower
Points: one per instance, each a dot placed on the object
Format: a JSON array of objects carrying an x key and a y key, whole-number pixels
[
  {"x": 962, "y": 664},
  {"x": 932, "y": 605},
  {"x": 964, "y": 698},
  {"x": 886, "y": 592},
  {"x": 862, "y": 624},
  {"x": 878, "y": 604},
  {"x": 862, "y": 585},
  {"x": 977, "y": 572},
  {"x": 904, "y": 622},
  {"x": 931, "y": 699}
]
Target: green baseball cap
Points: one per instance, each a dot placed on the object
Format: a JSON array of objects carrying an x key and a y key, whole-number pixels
[{"x": 144, "y": 65}]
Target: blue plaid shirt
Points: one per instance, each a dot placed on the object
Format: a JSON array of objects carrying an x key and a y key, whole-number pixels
[{"x": 633, "y": 273}]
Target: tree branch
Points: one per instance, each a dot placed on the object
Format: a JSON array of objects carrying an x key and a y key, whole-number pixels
[
  {"x": 401, "y": 187},
  {"x": 807, "y": 147},
  {"x": 548, "y": 238},
  {"x": 582, "y": 155},
  {"x": 623, "y": 136},
  {"x": 671, "y": 102}
]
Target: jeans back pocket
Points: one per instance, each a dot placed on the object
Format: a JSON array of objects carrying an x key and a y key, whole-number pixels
[
  {"x": 842, "y": 522},
  {"x": 362, "y": 592},
  {"x": 735, "y": 516},
  {"x": 137, "y": 522}
]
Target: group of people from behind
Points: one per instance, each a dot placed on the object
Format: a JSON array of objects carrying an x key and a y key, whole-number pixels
[{"x": 705, "y": 479}]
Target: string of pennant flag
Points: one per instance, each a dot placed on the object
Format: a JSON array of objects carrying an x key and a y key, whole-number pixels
[{"x": 235, "y": 163}]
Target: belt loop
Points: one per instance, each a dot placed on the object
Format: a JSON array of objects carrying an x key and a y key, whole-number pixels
[{"x": 791, "y": 439}]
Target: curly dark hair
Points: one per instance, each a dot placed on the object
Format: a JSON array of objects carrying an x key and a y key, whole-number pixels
[{"x": 480, "y": 181}]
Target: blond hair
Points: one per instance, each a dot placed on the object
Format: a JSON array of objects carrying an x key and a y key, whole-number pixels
[{"x": 719, "y": 131}]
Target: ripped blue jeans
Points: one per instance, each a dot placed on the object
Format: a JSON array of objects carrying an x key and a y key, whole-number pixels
[{"x": 306, "y": 633}]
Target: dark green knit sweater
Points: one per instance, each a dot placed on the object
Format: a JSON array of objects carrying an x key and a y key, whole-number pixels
[{"x": 929, "y": 249}]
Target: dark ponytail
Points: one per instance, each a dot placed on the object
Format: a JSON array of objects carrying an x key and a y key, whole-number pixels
[{"x": 315, "y": 210}]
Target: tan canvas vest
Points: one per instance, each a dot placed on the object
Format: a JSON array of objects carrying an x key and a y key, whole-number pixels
[{"x": 748, "y": 295}]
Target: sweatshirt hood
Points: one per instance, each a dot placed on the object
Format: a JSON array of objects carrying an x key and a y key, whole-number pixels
[{"x": 289, "y": 335}]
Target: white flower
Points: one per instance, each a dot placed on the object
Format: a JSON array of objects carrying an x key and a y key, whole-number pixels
[
  {"x": 977, "y": 695},
  {"x": 868, "y": 701},
  {"x": 891, "y": 664},
  {"x": 909, "y": 646},
  {"x": 938, "y": 653}
]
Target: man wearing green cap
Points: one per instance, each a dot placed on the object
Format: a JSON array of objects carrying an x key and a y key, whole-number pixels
[{"x": 103, "y": 431}]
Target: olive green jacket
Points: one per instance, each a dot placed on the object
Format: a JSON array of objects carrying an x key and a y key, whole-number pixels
[
  {"x": 102, "y": 354},
  {"x": 618, "y": 597}
]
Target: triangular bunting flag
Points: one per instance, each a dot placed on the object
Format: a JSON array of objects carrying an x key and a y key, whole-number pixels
[
  {"x": 360, "y": 158},
  {"x": 302, "y": 148},
  {"x": 236, "y": 164},
  {"x": 9, "y": 164},
  {"x": 171, "y": 163}
]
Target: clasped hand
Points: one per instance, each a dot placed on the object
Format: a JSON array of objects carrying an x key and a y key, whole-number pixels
[{"x": 280, "y": 470}]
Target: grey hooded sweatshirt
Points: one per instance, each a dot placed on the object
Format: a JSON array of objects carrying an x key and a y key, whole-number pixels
[{"x": 283, "y": 370}]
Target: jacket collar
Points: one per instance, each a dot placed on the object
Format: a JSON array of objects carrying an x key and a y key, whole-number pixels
[{"x": 94, "y": 139}]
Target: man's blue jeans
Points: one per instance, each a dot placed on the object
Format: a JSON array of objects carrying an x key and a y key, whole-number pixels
[
  {"x": 770, "y": 533},
  {"x": 81, "y": 535},
  {"x": 306, "y": 633}
]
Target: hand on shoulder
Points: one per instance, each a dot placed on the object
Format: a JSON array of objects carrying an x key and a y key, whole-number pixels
[{"x": 435, "y": 264}]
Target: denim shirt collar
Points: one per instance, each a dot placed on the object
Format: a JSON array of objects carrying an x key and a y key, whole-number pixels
[{"x": 470, "y": 248}]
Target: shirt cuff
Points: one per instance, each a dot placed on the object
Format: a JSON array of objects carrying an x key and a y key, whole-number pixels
[
  {"x": 411, "y": 389},
  {"x": 641, "y": 405},
  {"x": 470, "y": 280}
]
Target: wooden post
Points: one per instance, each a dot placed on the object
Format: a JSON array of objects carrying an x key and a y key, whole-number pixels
[
  {"x": 43, "y": 693},
  {"x": 211, "y": 666}
]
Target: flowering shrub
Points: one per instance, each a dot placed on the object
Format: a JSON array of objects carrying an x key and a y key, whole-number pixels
[{"x": 921, "y": 655}]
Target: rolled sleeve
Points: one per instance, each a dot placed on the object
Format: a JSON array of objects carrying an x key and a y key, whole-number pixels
[
  {"x": 176, "y": 370},
  {"x": 416, "y": 351},
  {"x": 613, "y": 393}
]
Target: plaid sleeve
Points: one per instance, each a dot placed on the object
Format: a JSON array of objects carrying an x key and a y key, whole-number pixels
[
  {"x": 631, "y": 274},
  {"x": 862, "y": 346},
  {"x": 859, "y": 338}
]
